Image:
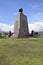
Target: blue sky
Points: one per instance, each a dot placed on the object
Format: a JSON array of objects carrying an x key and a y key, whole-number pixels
[{"x": 32, "y": 8}]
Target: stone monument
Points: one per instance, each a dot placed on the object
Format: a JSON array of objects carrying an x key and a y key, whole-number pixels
[{"x": 21, "y": 25}]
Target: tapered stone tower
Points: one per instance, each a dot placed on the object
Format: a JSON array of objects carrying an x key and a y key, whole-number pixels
[{"x": 21, "y": 25}]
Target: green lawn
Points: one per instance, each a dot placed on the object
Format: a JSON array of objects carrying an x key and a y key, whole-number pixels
[{"x": 27, "y": 51}]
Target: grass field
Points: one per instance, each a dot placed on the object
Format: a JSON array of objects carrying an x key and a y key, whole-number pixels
[{"x": 27, "y": 51}]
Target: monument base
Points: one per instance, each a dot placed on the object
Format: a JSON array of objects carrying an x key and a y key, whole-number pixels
[
  {"x": 19, "y": 36},
  {"x": 14, "y": 36}
]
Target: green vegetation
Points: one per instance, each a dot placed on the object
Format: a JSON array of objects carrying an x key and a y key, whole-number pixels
[{"x": 24, "y": 51}]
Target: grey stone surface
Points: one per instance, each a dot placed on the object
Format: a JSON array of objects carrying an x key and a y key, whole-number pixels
[{"x": 21, "y": 26}]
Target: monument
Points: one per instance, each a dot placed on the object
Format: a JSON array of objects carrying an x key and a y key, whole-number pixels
[{"x": 21, "y": 25}]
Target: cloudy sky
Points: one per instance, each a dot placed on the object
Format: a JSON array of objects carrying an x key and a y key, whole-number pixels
[{"x": 32, "y": 8}]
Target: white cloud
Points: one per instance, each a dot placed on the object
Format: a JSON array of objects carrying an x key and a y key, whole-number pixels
[
  {"x": 36, "y": 26},
  {"x": 6, "y": 27}
]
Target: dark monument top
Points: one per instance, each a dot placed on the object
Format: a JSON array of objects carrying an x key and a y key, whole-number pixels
[{"x": 21, "y": 10}]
